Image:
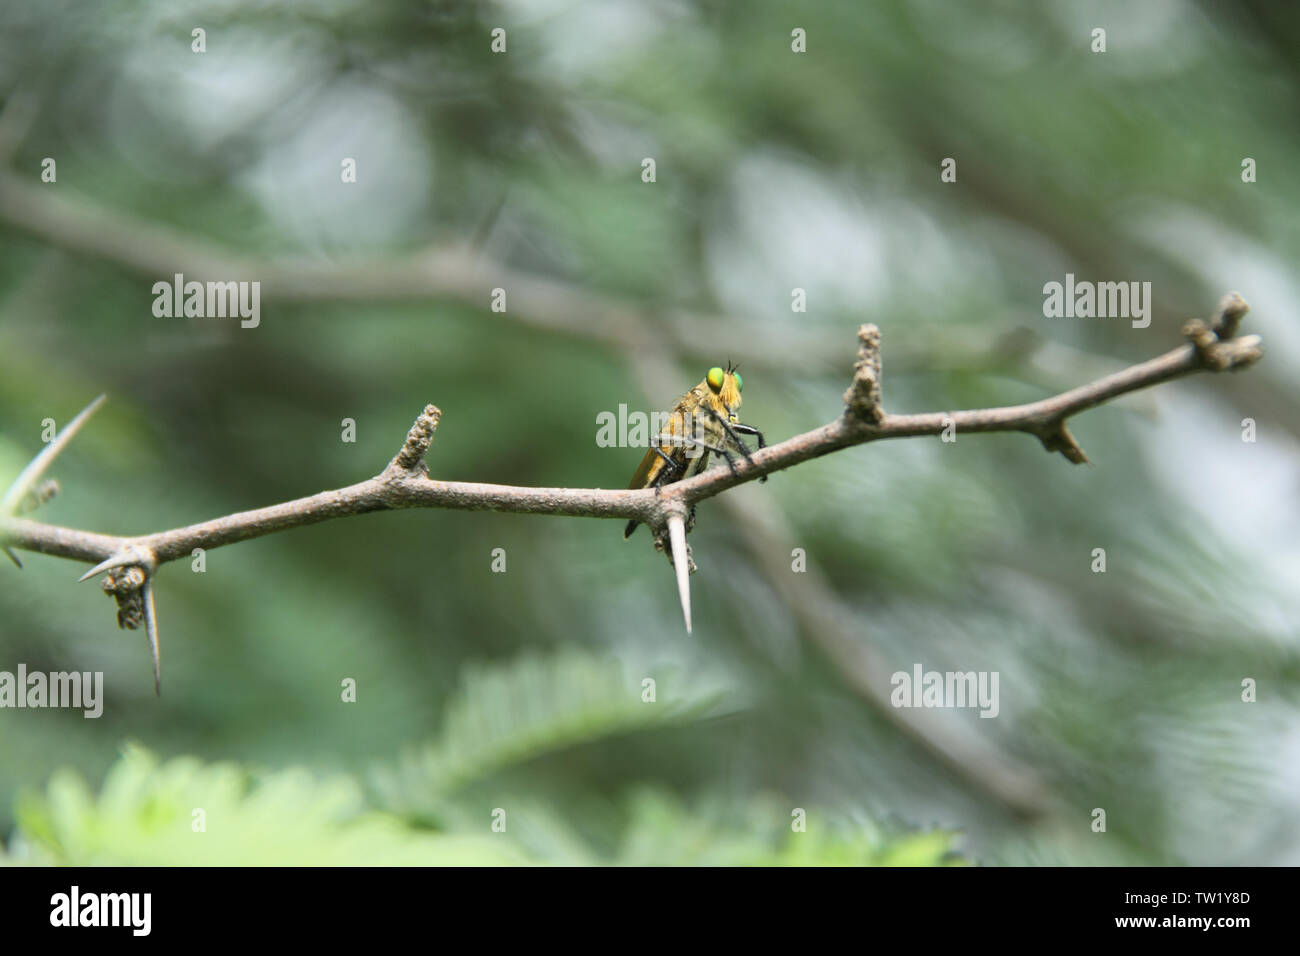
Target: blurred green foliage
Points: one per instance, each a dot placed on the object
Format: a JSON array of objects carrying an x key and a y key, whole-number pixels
[
  {"x": 775, "y": 170},
  {"x": 185, "y": 811}
]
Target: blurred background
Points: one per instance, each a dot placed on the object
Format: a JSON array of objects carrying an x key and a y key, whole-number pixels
[{"x": 774, "y": 170}]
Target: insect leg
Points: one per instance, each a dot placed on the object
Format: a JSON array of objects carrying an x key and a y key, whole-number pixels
[
  {"x": 731, "y": 430},
  {"x": 718, "y": 450},
  {"x": 668, "y": 461},
  {"x": 744, "y": 429},
  {"x": 672, "y": 469}
]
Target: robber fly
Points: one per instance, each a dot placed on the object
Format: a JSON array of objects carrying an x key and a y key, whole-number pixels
[{"x": 703, "y": 422}]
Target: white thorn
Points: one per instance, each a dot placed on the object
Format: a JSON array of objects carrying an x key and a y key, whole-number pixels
[
  {"x": 681, "y": 563},
  {"x": 151, "y": 629},
  {"x": 116, "y": 561},
  {"x": 32, "y": 473},
  {"x": 121, "y": 560}
]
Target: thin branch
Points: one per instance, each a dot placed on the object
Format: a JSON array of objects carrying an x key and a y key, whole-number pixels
[
  {"x": 447, "y": 272},
  {"x": 837, "y": 633},
  {"x": 405, "y": 482},
  {"x": 402, "y": 486},
  {"x": 463, "y": 273}
]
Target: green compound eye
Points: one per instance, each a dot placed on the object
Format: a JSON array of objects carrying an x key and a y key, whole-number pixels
[
  {"x": 714, "y": 378},
  {"x": 740, "y": 382}
]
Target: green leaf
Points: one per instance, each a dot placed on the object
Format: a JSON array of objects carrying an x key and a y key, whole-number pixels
[
  {"x": 148, "y": 812},
  {"x": 507, "y": 715}
]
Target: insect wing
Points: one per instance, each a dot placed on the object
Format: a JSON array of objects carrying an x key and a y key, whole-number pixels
[{"x": 652, "y": 467}]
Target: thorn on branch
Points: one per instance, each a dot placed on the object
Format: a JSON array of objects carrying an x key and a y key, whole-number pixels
[
  {"x": 128, "y": 556},
  {"x": 130, "y": 582},
  {"x": 418, "y": 440},
  {"x": 662, "y": 543},
  {"x": 670, "y": 538},
  {"x": 863, "y": 399},
  {"x": 36, "y": 468},
  {"x": 151, "y": 631},
  {"x": 682, "y": 563},
  {"x": 1056, "y": 437},
  {"x": 132, "y": 588}
]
